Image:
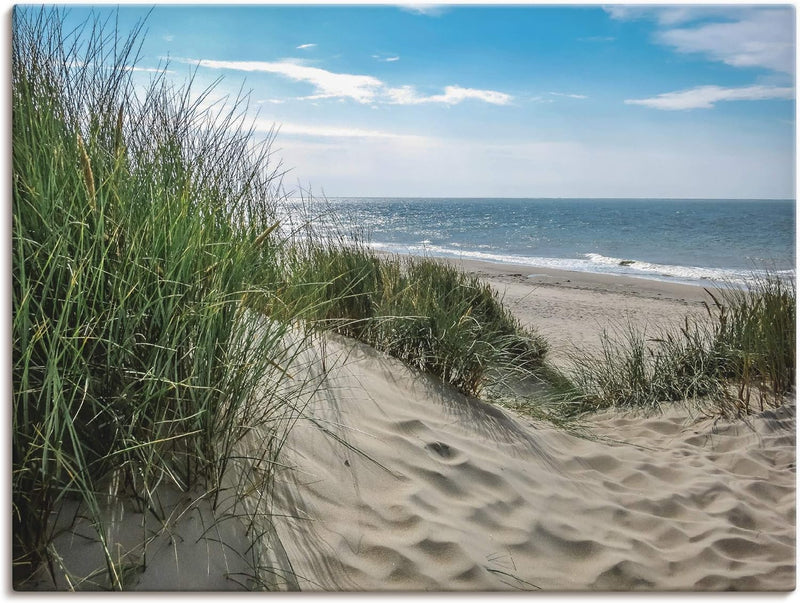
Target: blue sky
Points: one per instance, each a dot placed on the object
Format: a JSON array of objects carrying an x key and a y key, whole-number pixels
[{"x": 524, "y": 101}]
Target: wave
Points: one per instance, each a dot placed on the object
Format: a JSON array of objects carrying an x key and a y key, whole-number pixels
[{"x": 595, "y": 263}]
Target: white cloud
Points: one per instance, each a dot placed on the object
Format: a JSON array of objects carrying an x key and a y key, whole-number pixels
[
  {"x": 328, "y": 131},
  {"x": 762, "y": 38},
  {"x": 623, "y": 12},
  {"x": 579, "y": 96},
  {"x": 73, "y": 64},
  {"x": 304, "y": 46},
  {"x": 364, "y": 89},
  {"x": 360, "y": 88},
  {"x": 385, "y": 59},
  {"x": 704, "y": 97},
  {"x": 149, "y": 69},
  {"x": 673, "y": 15},
  {"x": 407, "y": 95},
  {"x": 739, "y": 36}
]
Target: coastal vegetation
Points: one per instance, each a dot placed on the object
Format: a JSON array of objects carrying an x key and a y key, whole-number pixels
[
  {"x": 138, "y": 221},
  {"x": 426, "y": 313},
  {"x": 741, "y": 358},
  {"x": 145, "y": 245},
  {"x": 157, "y": 301}
]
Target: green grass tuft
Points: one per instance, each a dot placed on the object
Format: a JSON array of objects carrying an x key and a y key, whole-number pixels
[
  {"x": 742, "y": 358},
  {"x": 427, "y": 313}
]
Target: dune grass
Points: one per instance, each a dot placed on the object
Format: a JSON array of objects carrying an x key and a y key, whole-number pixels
[
  {"x": 754, "y": 332},
  {"x": 428, "y": 314},
  {"x": 137, "y": 233},
  {"x": 741, "y": 359}
]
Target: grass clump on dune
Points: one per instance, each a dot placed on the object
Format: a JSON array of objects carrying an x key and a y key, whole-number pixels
[
  {"x": 742, "y": 358},
  {"x": 426, "y": 313},
  {"x": 754, "y": 333},
  {"x": 136, "y": 224}
]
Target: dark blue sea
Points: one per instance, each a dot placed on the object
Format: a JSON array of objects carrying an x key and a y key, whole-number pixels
[{"x": 694, "y": 241}]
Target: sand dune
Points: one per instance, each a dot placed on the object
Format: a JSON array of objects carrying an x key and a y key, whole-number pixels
[
  {"x": 411, "y": 486},
  {"x": 392, "y": 481}
]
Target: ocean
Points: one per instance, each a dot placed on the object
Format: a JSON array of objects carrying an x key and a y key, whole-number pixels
[{"x": 688, "y": 241}]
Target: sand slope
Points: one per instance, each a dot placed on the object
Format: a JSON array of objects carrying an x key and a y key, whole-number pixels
[
  {"x": 184, "y": 543},
  {"x": 401, "y": 483}
]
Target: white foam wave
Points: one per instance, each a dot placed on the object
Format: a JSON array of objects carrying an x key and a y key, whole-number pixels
[
  {"x": 666, "y": 271},
  {"x": 592, "y": 262}
]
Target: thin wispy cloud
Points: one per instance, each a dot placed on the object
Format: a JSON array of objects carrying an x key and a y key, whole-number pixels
[
  {"x": 672, "y": 15},
  {"x": 360, "y": 88},
  {"x": 364, "y": 89},
  {"x": 763, "y": 38},
  {"x": 704, "y": 97},
  {"x": 328, "y": 131},
  {"x": 137, "y": 69},
  {"x": 566, "y": 95},
  {"x": 385, "y": 59},
  {"x": 305, "y": 46},
  {"x": 407, "y": 95},
  {"x": 73, "y": 64}
]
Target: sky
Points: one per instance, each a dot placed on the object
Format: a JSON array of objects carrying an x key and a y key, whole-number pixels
[{"x": 499, "y": 101}]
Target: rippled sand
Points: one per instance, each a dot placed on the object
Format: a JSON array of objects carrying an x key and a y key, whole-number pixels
[{"x": 437, "y": 491}]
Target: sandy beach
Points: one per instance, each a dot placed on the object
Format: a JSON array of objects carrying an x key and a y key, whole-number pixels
[
  {"x": 571, "y": 309},
  {"x": 441, "y": 492}
]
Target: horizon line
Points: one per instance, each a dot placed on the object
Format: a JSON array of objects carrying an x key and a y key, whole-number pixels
[{"x": 562, "y": 198}]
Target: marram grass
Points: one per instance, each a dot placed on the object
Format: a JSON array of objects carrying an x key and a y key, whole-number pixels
[
  {"x": 139, "y": 226},
  {"x": 429, "y": 314},
  {"x": 740, "y": 359}
]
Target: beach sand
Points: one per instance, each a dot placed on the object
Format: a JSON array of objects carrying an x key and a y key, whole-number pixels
[
  {"x": 392, "y": 481},
  {"x": 571, "y": 309},
  {"x": 441, "y": 492}
]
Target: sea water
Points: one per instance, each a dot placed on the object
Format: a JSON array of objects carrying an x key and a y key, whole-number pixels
[{"x": 690, "y": 241}]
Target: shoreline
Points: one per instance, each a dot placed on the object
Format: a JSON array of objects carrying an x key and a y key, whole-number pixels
[
  {"x": 573, "y": 309},
  {"x": 588, "y": 281}
]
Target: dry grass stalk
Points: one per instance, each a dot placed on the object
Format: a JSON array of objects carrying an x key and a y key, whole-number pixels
[{"x": 88, "y": 176}]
